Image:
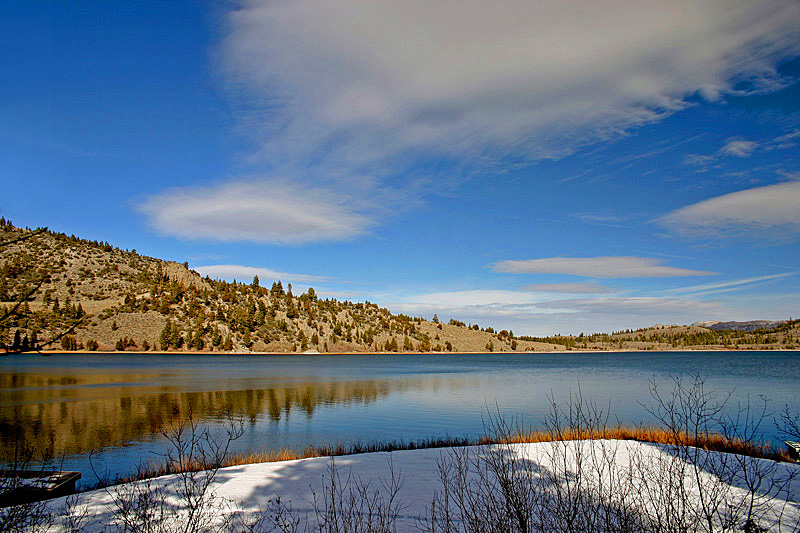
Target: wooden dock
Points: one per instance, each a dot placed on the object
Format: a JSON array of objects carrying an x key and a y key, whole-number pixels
[
  {"x": 794, "y": 448},
  {"x": 31, "y": 486}
]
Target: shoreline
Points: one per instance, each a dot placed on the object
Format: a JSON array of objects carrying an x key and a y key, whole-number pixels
[
  {"x": 642, "y": 435},
  {"x": 412, "y": 479},
  {"x": 517, "y": 352}
]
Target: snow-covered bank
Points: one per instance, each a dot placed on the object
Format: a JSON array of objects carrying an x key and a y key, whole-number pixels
[{"x": 636, "y": 473}]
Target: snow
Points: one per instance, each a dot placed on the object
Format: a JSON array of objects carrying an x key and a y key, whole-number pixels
[{"x": 249, "y": 488}]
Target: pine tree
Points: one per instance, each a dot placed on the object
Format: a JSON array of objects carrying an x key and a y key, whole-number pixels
[
  {"x": 166, "y": 334},
  {"x": 175, "y": 338}
]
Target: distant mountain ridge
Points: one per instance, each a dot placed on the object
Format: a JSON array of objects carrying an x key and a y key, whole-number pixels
[{"x": 750, "y": 325}]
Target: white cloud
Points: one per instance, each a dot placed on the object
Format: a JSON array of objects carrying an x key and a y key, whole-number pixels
[
  {"x": 709, "y": 288},
  {"x": 784, "y": 142},
  {"x": 247, "y": 273},
  {"x": 739, "y": 148},
  {"x": 574, "y": 288},
  {"x": 533, "y": 315},
  {"x": 636, "y": 305},
  {"x": 367, "y": 80},
  {"x": 597, "y": 267},
  {"x": 475, "y": 298},
  {"x": 265, "y": 211},
  {"x": 498, "y": 307},
  {"x": 771, "y": 212},
  {"x": 700, "y": 161}
]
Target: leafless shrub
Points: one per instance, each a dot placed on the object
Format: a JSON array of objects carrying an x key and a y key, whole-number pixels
[
  {"x": 483, "y": 493},
  {"x": 186, "y": 502},
  {"x": 16, "y": 515},
  {"x": 346, "y": 504},
  {"x": 789, "y": 424},
  {"x": 352, "y": 505},
  {"x": 582, "y": 485},
  {"x": 721, "y": 491},
  {"x": 74, "y": 516}
]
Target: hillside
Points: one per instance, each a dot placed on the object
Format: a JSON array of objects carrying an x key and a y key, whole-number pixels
[
  {"x": 60, "y": 292},
  {"x": 120, "y": 300},
  {"x": 750, "y": 325},
  {"x": 782, "y": 336}
]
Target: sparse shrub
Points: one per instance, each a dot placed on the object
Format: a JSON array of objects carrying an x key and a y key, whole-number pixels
[{"x": 68, "y": 342}]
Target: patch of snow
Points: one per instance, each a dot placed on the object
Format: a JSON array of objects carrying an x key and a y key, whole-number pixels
[{"x": 249, "y": 488}]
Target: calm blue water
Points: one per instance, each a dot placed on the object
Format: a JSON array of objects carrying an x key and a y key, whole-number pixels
[{"x": 106, "y": 412}]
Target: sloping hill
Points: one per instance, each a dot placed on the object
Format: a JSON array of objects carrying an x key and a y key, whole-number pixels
[{"x": 92, "y": 295}]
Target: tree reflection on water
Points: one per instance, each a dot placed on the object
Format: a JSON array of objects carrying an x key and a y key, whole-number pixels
[{"x": 61, "y": 415}]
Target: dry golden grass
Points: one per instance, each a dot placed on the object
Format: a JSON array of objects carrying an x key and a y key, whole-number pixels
[
  {"x": 711, "y": 442},
  {"x": 271, "y": 456}
]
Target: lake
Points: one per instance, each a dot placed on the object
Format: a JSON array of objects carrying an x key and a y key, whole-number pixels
[{"x": 105, "y": 413}]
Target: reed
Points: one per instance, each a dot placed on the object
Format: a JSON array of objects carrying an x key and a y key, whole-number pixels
[{"x": 651, "y": 434}]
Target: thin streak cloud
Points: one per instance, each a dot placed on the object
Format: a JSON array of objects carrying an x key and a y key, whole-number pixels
[
  {"x": 726, "y": 284},
  {"x": 247, "y": 273},
  {"x": 597, "y": 267},
  {"x": 570, "y": 288}
]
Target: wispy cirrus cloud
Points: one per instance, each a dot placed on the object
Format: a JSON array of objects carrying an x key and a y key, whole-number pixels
[
  {"x": 570, "y": 288},
  {"x": 742, "y": 148},
  {"x": 537, "y": 315},
  {"x": 711, "y": 288},
  {"x": 476, "y": 297},
  {"x": 739, "y": 148},
  {"x": 640, "y": 306},
  {"x": 771, "y": 212},
  {"x": 597, "y": 267},
  {"x": 263, "y": 211},
  {"x": 242, "y": 272},
  {"x": 786, "y": 141},
  {"x": 348, "y": 83}
]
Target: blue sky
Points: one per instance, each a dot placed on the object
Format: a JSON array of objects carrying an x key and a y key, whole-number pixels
[{"x": 546, "y": 167}]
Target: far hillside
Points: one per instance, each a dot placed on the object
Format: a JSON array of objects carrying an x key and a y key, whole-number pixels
[
  {"x": 60, "y": 292},
  {"x": 779, "y": 335}
]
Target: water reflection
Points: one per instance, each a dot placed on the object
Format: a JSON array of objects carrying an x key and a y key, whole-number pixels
[
  {"x": 73, "y": 404},
  {"x": 78, "y": 414}
]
